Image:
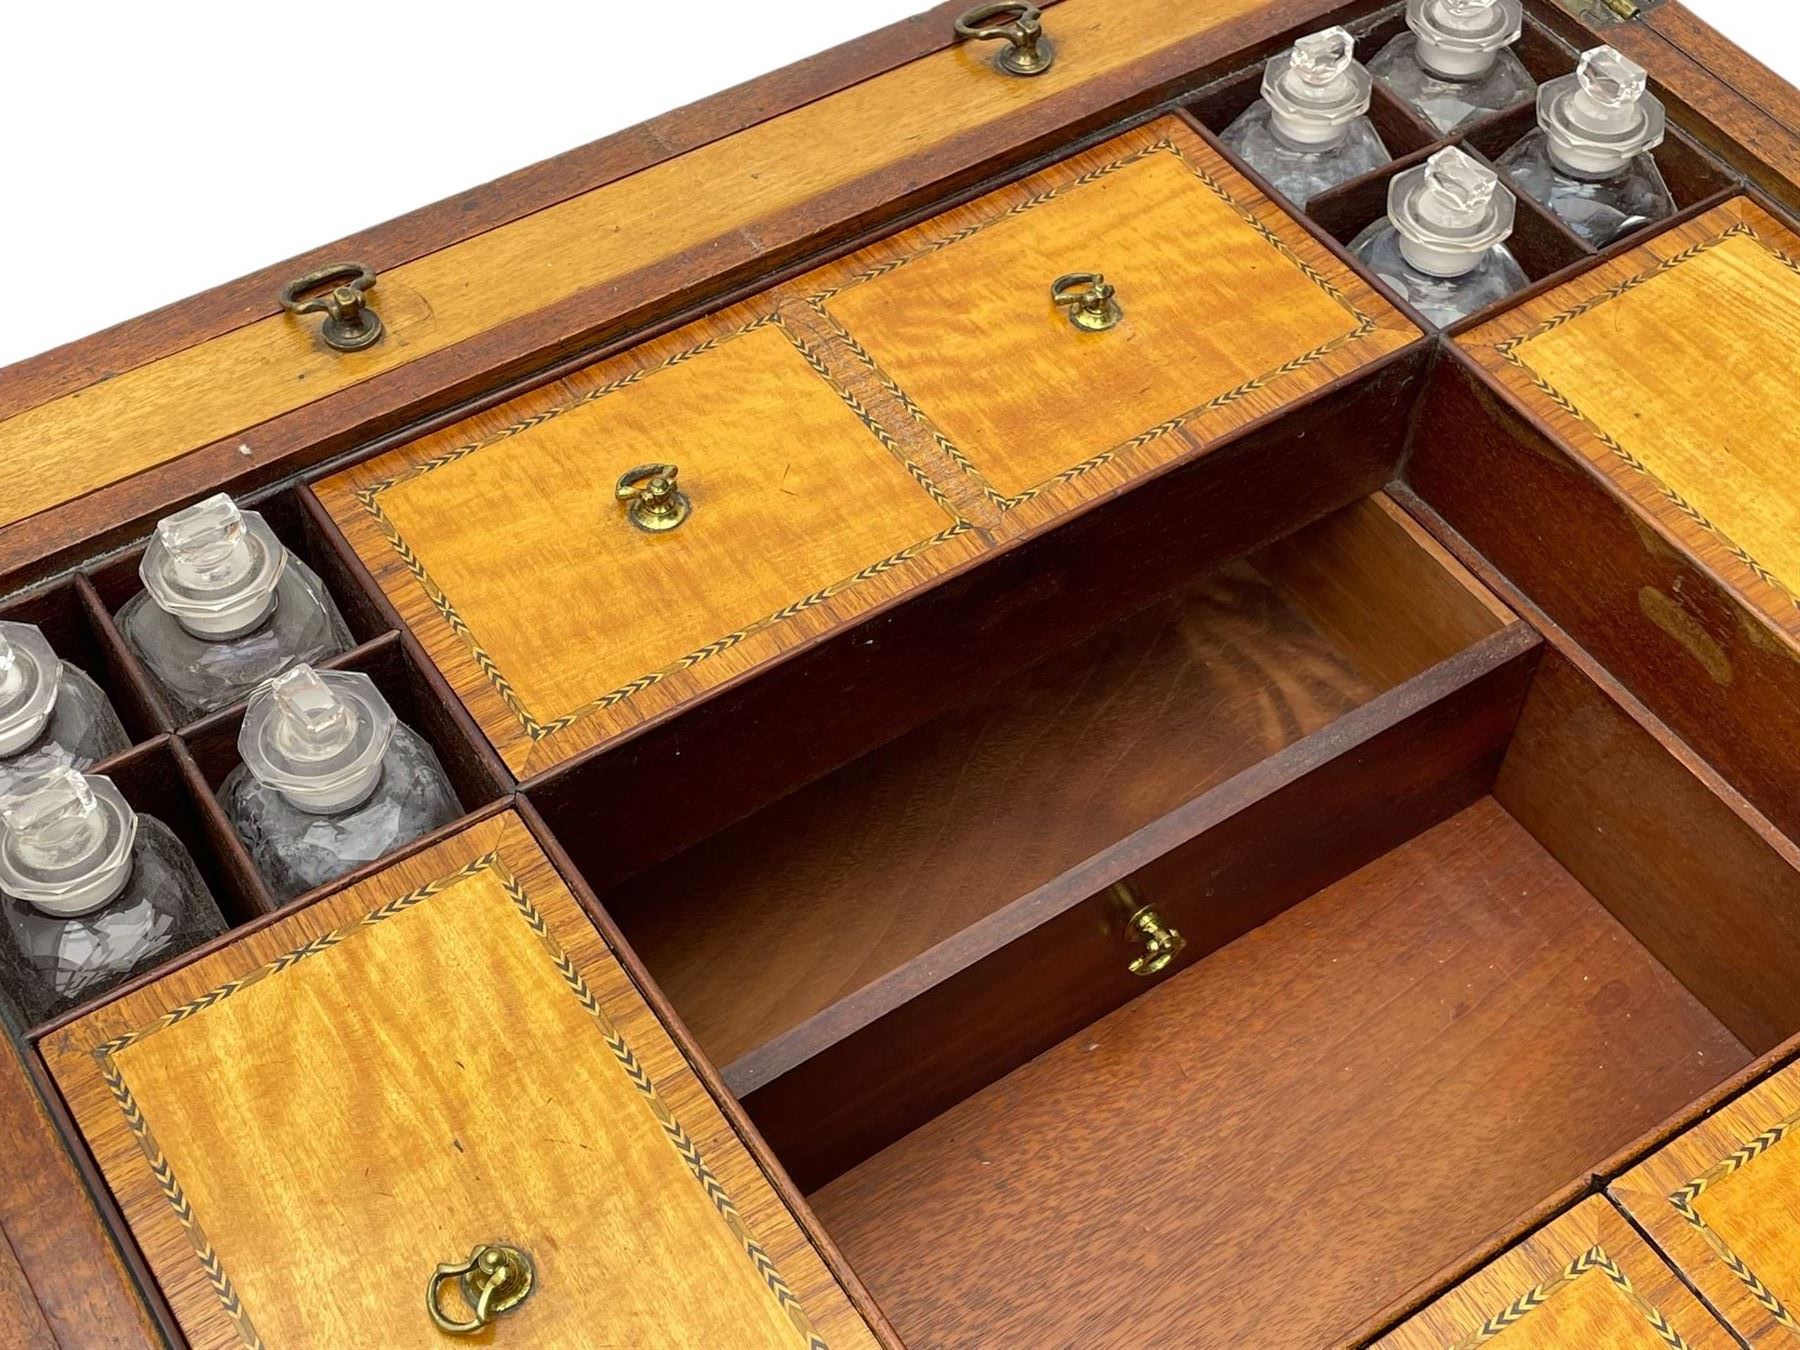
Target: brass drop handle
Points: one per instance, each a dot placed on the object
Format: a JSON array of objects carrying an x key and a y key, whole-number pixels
[
  {"x": 1161, "y": 943},
  {"x": 495, "y": 1279},
  {"x": 1090, "y": 299},
  {"x": 651, "y": 500},
  {"x": 350, "y": 325},
  {"x": 1027, "y": 50}
]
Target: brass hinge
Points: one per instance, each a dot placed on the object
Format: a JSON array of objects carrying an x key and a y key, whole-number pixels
[{"x": 1600, "y": 13}]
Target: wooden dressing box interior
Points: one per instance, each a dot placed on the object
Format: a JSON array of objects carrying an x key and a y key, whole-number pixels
[{"x": 1037, "y": 756}]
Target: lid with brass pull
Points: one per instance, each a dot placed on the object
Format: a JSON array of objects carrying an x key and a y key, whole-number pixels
[
  {"x": 1028, "y": 51},
  {"x": 350, "y": 325},
  {"x": 651, "y": 500},
  {"x": 1161, "y": 944},
  {"x": 441, "y": 1063},
  {"x": 494, "y": 1280},
  {"x": 1091, "y": 301}
]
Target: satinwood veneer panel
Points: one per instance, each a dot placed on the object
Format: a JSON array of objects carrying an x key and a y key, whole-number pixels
[
  {"x": 1277, "y": 1143},
  {"x": 302, "y": 1124},
  {"x": 1723, "y": 1201},
  {"x": 1669, "y": 369},
  {"x": 828, "y": 435},
  {"x": 1584, "y": 1280}
]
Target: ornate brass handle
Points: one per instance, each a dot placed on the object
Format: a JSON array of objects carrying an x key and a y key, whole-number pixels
[
  {"x": 1090, "y": 298},
  {"x": 350, "y": 325},
  {"x": 1027, "y": 50},
  {"x": 1161, "y": 944},
  {"x": 651, "y": 499},
  {"x": 495, "y": 1279}
]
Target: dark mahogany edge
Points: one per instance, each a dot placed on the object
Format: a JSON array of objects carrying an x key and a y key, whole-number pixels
[
  {"x": 1348, "y": 735},
  {"x": 503, "y": 362},
  {"x": 709, "y": 1076},
  {"x": 1597, "y": 1179},
  {"x": 197, "y": 318}
]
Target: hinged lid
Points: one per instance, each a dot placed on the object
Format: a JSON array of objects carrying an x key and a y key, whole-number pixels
[
  {"x": 602, "y": 550},
  {"x": 302, "y": 1126}
]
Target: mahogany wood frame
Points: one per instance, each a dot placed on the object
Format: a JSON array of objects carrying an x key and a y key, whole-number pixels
[{"x": 72, "y": 1281}]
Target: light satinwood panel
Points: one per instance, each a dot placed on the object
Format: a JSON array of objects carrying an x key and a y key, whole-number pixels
[
  {"x": 302, "y": 1125},
  {"x": 1276, "y": 1144},
  {"x": 1668, "y": 369},
  {"x": 822, "y": 487},
  {"x": 1586, "y": 1279},
  {"x": 139, "y": 418},
  {"x": 1723, "y": 1201},
  {"x": 1209, "y": 302}
]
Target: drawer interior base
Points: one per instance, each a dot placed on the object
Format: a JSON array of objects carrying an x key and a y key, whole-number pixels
[{"x": 1459, "y": 1027}]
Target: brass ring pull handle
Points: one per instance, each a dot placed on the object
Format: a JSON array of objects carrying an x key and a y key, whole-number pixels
[
  {"x": 1161, "y": 943},
  {"x": 1027, "y": 50},
  {"x": 651, "y": 500},
  {"x": 495, "y": 1279},
  {"x": 350, "y": 325},
  {"x": 1090, "y": 299}
]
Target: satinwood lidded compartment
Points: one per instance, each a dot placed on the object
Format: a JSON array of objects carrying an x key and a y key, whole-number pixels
[
  {"x": 848, "y": 438},
  {"x": 1720, "y": 1201},
  {"x": 301, "y": 1126}
]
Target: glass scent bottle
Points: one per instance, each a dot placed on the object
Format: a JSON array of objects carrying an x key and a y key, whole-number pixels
[
  {"x": 92, "y": 892},
  {"x": 1589, "y": 159},
  {"x": 1442, "y": 246},
  {"x": 52, "y": 716},
  {"x": 1310, "y": 129},
  {"x": 225, "y": 607},
  {"x": 1456, "y": 63},
  {"x": 330, "y": 779}
]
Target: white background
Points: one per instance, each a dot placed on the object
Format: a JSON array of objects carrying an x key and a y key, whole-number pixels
[{"x": 149, "y": 151}]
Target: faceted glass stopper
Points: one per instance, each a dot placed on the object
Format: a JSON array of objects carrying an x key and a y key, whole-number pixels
[
  {"x": 1602, "y": 115},
  {"x": 65, "y": 843},
  {"x": 1612, "y": 84},
  {"x": 1458, "y": 191},
  {"x": 1320, "y": 59},
  {"x": 311, "y": 722},
  {"x": 317, "y": 736},
  {"x": 214, "y": 567},
  {"x": 30, "y": 675},
  {"x": 206, "y": 544},
  {"x": 1449, "y": 211},
  {"x": 1317, "y": 83}
]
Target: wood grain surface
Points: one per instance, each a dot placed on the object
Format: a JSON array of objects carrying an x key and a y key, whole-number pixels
[
  {"x": 468, "y": 531},
  {"x": 1705, "y": 445},
  {"x": 830, "y": 889},
  {"x": 1587, "y": 1279},
  {"x": 1284, "y": 1138},
  {"x": 1713, "y": 897},
  {"x": 299, "y": 1127},
  {"x": 148, "y": 415}
]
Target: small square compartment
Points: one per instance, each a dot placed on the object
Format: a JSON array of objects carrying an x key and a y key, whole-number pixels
[
  {"x": 159, "y": 779},
  {"x": 80, "y": 632},
  {"x": 115, "y": 579},
  {"x": 401, "y": 679}
]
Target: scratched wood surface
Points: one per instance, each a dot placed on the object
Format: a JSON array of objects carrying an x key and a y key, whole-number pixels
[
  {"x": 1586, "y": 1279},
  {"x": 1274, "y": 1145},
  {"x": 823, "y": 485},
  {"x": 1706, "y": 445},
  {"x": 155, "y": 412},
  {"x": 301, "y": 1126},
  {"x": 1723, "y": 1201}
]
